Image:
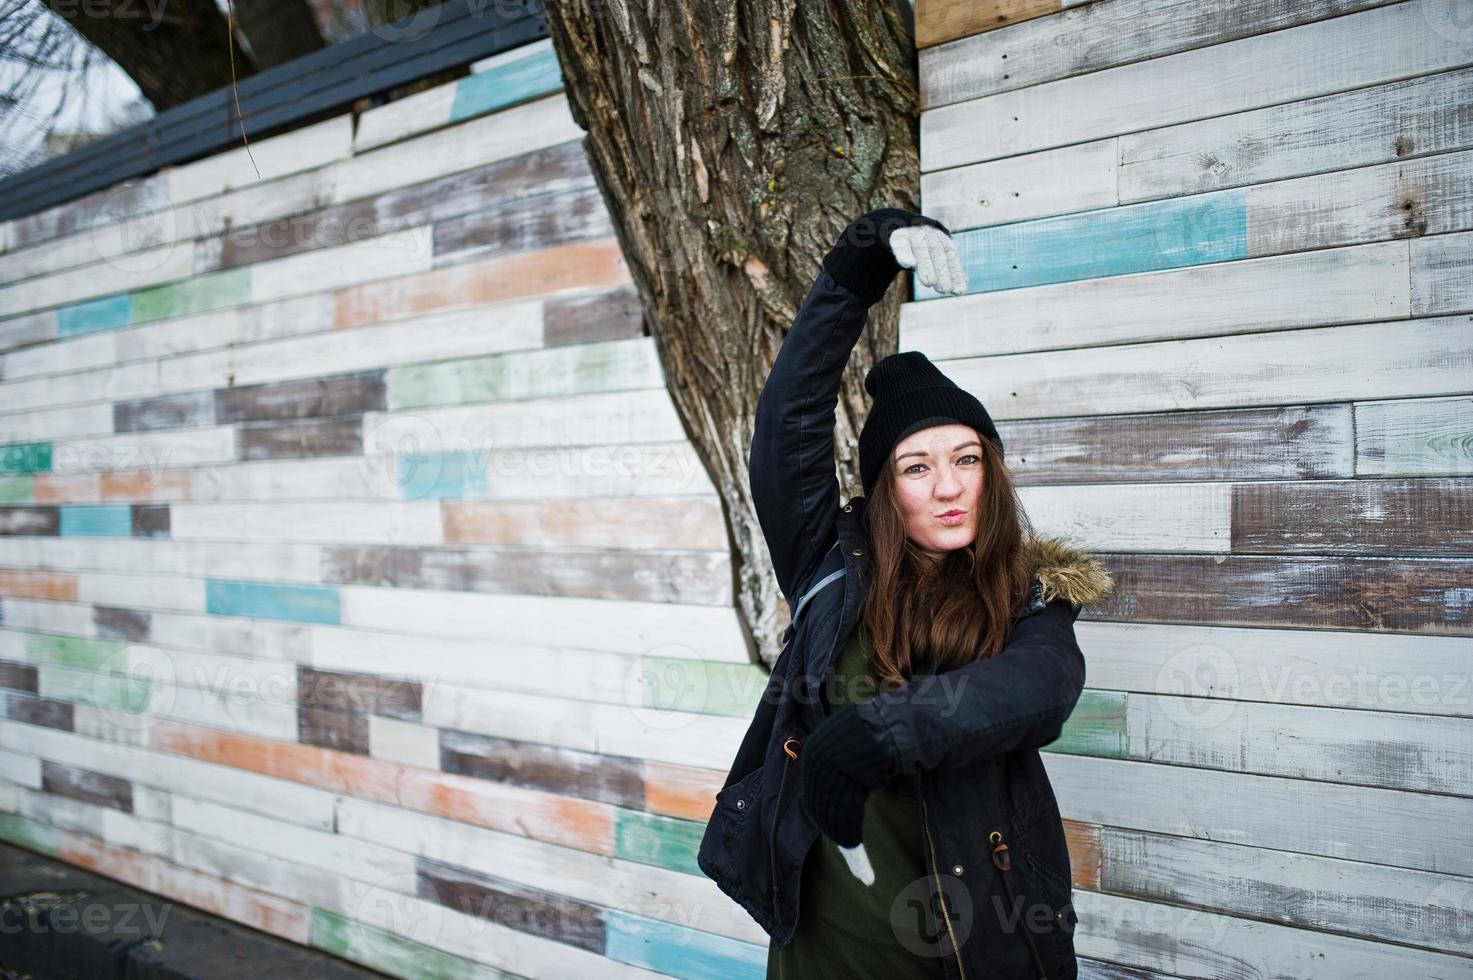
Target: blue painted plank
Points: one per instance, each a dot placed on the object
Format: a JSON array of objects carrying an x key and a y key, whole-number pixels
[
  {"x": 679, "y": 951},
  {"x": 442, "y": 476},
  {"x": 1106, "y": 242},
  {"x": 506, "y": 84},
  {"x": 103, "y": 313},
  {"x": 96, "y": 519},
  {"x": 263, "y": 600}
]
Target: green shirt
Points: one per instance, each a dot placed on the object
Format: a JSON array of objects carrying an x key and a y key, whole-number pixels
[{"x": 845, "y": 928}]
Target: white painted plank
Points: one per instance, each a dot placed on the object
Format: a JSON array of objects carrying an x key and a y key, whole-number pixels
[
  {"x": 1354, "y": 51},
  {"x": 1414, "y": 437},
  {"x": 1357, "y": 283},
  {"x": 1313, "y": 668},
  {"x": 321, "y": 522},
  {"x": 1152, "y": 517},
  {"x": 1358, "y": 361}
]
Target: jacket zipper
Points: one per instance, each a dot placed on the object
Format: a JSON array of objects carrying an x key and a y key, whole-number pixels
[
  {"x": 1004, "y": 861},
  {"x": 790, "y": 748},
  {"x": 940, "y": 895}
]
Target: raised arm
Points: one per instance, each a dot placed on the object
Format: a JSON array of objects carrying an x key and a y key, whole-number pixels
[{"x": 791, "y": 465}]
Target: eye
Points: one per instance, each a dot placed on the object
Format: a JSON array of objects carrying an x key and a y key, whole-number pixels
[
  {"x": 912, "y": 466},
  {"x": 972, "y": 456}
]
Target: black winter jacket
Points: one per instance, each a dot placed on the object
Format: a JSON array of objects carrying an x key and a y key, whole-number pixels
[{"x": 997, "y": 900}]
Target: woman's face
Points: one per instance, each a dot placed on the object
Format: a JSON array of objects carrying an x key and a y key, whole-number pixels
[{"x": 938, "y": 484}]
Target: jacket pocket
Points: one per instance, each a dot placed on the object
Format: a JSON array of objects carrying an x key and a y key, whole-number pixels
[{"x": 722, "y": 844}]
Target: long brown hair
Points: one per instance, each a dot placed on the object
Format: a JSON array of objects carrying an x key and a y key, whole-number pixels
[{"x": 951, "y": 611}]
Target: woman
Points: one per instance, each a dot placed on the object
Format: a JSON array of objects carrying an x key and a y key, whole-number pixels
[{"x": 930, "y": 655}]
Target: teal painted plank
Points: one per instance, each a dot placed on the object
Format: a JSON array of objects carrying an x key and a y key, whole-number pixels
[
  {"x": 214, "y": 291},
  {"x": 96, "y": 519},
  {"x": 506, "y": 84},
  {"x": 81, "y": 652},
  {"x": 17, "y": 489},
  {"x": 26, "y": 457},
  {"x": 1107, "y": 242},
  {"x": 679, "y": 951},
  {"x": 261, "y": 600},
  {"x": 650, "y": 838},
  {"x": 443, "y": 476},
  {"x": 702, "y": 686},
  {"x": 104, "y": 313}
]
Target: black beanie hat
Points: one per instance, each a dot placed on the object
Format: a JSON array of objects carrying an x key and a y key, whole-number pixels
[{"x": 910, "y": 393}]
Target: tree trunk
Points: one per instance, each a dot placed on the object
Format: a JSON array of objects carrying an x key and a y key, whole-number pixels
[
  {"x": 277, "y": 30},
  {"x": 174, "y": 51},
  {"x": 732, "y": 142}
]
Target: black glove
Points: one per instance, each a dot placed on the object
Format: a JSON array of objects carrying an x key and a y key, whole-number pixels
[
  {"x": 842, "y": 760},
  {"x": 861, "y": 260}
]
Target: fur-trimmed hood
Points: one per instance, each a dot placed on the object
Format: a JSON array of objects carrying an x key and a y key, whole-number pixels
[{"x": 1067, "y": 572}]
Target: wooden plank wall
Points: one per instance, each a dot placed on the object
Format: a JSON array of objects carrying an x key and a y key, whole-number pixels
[
  {"x": 1221, "y": 273},
  {"x": 357, "y": 580}
]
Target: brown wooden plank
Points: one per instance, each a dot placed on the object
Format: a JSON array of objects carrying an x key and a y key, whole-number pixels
[
  {"x": 359, "y": 693},
  {"x": 144, "y": 485},
  {"x": 553, "y": 169},
  {"x": 608, "y": 314},
  {"x": 40, "y": 711},
  {"x": 84, "y": 784},
  {"x": 568, "y": 772},
  {"x": 1084, "y": 853},
  {"x": 939, "y": 21},
  {"x": 117, "y": 623},
  {"x": 701, "y": 577},
  {"x": 339, "y": 394},
  {"x": 28, "y": 584},
  {"x": 150, "y": 520},
  {"x": 29, "y": 520},
  {"x": 512, "y": 904},
  {"x": 185, "y": 410},
  {"x": 1413, "y": 595},
  {"x": 69, "y": 488},
  {"x": 17, "y": 676},
  {"x": 681, "y": 791},
  {"x": 332, "y": 729},
  {"x": 523, "y": 225},
  {"x": 1432, "y": 517},
  {"x": 302, "y": 438},
  {"x": 1309, "y": 442}
]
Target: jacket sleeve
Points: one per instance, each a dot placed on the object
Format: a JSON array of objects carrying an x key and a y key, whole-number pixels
[
  {"x": 795, "y": 489},
  {"x": 1019, "y": 698}
]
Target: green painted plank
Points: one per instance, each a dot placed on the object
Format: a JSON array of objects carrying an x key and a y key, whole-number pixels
[
  {"x": 575, "y": 369},
  {"x": 1097, "y": 727},
  {"x": 30, "y": 833},
  {"x": 650, "y": 838},
  {"x": 212, "y": 291},
  {"x": 17, "y": 490},
  {"x": 701, "y": 686},
  {"x": 25, "y": 457},
  {"x": 128, "y": 693},
  {"x": 75, "y": 651},
  {"x": 395, "y": 955}
]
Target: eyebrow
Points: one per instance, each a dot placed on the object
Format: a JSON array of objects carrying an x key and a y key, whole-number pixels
[{"x": 922, "y": 452}]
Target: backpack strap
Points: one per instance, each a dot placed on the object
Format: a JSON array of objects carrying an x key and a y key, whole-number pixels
[{"x": 818, "y": 586}]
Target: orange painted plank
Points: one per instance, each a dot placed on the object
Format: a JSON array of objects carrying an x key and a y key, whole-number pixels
[
  {"x": 939, "y": 21},
  {"x": 142, "y": 486},
  {"x": 55, "y": 488},
  {"x": 478, "y": 283},
  {"x": 624, "y": 522},
  {"x": 535, "y": 814},
  {"x": 1084, "y": 853},
  {"x": 19, "y": 584},
  {"x": 681, "y": 791},
  {"x": 261, "y": 910}
]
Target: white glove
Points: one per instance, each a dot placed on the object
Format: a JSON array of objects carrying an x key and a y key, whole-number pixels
[
  {"x": 933, "y": 255},
  {"x": 858, "y": 860}
]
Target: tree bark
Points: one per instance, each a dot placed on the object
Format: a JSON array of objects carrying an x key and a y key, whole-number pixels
[
  {"x": 732, "y": 142},
  {"x": 277, "y": 30},
  {"x": 175, "y": 51}
]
